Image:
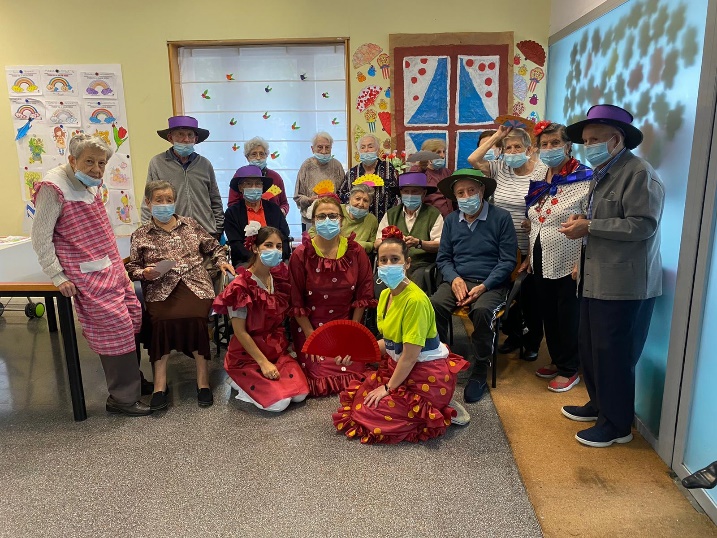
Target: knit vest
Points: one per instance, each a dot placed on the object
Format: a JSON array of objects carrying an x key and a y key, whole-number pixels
[{"x": 427, "y": 217}]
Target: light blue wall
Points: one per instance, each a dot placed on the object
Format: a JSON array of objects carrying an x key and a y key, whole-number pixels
[{"x": 645, "y": 56}]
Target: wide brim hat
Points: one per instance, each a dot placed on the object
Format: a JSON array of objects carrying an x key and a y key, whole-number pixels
[
  {"x": 446, "y": 185},
  {"x": 422, "y": 156},
  {"x": 250, "y": 172},
  {"x": 413, "y": 179},
  {"x": 184, "y": 122},
  {"x": 607, "y": 115}
]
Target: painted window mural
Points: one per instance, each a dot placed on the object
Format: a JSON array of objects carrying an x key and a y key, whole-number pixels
[{"x": 645, "y": 56}]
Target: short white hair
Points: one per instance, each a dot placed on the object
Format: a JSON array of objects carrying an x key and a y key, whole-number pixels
[
  {"x": 81, "y": 142},
  {"x": 372, "y": 136},
  {"x": 255, "y": 142},
  {"x": 322, "y": 134}
]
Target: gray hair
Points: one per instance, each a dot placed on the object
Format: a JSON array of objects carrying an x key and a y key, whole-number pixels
[
  {"x": 81, "y": 142},
  {"x": 520, "y": 134},
  {"x": 362, "y": 187},
  {"x": 158, "y": 185},
  {"x": 373, "y": 136},
  {"x": 322, "y": 134},
  {"x": 255, "y": 142}
]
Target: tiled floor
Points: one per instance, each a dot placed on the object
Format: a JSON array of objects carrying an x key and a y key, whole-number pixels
[{"x": 230, "y": 470}]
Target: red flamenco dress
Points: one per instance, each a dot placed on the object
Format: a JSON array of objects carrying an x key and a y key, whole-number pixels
[
  {"x": 264, "y": 322},
  {"x": 324, "y": 290},
  {"x": 418, "y": 409}
]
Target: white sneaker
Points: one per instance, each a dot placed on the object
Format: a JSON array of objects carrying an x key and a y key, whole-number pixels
[{"x": 462, "y": 417}]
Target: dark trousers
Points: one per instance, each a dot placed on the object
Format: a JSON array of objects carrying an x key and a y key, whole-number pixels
[
  {"x": 560, "y": 308},
  {"x": 122, "y": 375},
  {"x": 528, "y": 316},
  {"x": 611, "y": 338},
  {"x": 482, "y": 313}
]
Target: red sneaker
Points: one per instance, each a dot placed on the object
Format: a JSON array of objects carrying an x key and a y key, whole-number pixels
[
  {"x": 546, "y": 372},
  {"x": 563, "y": 386}
]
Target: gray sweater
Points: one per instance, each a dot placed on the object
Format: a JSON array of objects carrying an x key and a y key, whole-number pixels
[{"x": 197, "y": 191}]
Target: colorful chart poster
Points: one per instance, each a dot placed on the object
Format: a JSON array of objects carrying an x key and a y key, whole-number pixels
[
  {"x": 22, "y": 82},
  {"x": 59, "y": 82},
  {"x": 63, "y": 113},
  {"x": 98, "y": 84}
]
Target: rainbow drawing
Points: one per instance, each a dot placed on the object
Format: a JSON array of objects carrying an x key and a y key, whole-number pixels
[
  {"x": 59, "y": 84},
  {"x": 104, "y": 88},
  {"x": 27, "y": 112},
  {"x": 62, "y": 115},
  {"x": 102, "y": 115},
  {"x": 24, "y": 84}
]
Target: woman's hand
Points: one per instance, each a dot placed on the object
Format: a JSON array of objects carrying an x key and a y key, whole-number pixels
[
  {"x": 343, "y": 361},
  {"x": 269, "y": 371},
  {"x": 375, "y": 396},
  {"x": 67, "y": 289},
  {"x": 316, "y": 358},
  {"x": 227, "y": 267},
  {"x": 574, "y": 273},
  {"x": 525, "y": 266},
  {"x": 525, "y": 225},
  {"x": 149, "y": 273}
]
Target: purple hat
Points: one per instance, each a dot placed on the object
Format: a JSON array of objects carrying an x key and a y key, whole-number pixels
[
  {"x": 414, "y": 179},
  {"x": 184, "y": 122},
  {"x": 608, "y": 115},
  {"x": 250, "y": 172}
]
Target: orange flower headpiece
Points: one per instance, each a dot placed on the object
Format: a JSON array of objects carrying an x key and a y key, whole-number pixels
[
  {"x": 390, "y": 232},
  {"x": 540, "y": 127}
]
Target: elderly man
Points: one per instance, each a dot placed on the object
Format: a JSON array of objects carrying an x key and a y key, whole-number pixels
[
  {"x": 191, "y": 175},
  {"x": 420, "y": 223},
  {"x": 620, "y": 272},
  {"x": 476, "y": 256}
]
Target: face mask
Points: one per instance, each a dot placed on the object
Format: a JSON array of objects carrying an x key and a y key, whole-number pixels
[
  {"x": 598, "y": 154},
  {"x": 183, "y": 150},
  {"x": 357, "y": 213},
  {"x": 490, "y": 155},
  {"x": 252, "y": 194},
  {"x": 328, "y": 229},
  {"x": 411, "y": 201},
  {"x": 515, "y": 160},
  {"x": 438, "y": 163},
  {"x": 368, "y": 158},
  {"x": 87, "y": 181},
  {"x": 261, "y": 163},
  {"x": 270, "y": 257},
  {"x": 552, "y": 157},
  {"x": 469, "y": 205},
  {"x": 391, "y": 275},
  {"x": 163, "y": 212},
  {"x": 323, "y": 159}
]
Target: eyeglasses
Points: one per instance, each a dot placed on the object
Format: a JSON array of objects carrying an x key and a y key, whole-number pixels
[
  {"x": 323, "y": 216},
  {"x": 255, "y": 155}
]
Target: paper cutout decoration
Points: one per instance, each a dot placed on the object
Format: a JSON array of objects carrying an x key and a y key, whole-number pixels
[
  {"x": 266, "y": 115},
  {"x": 536, "y": 75},
  {"x": 28, "y": 109},
  {"x": 387, "y": 93},
  {"x": 367, "y": 97},
  {"x": 517, "y": 59},
  {"x": 205, "y": 94},
  {"x": 385, "y": 118},
  {"x": 230, "y": 76},
  {"x": 59, "y": 83},
  {"x": 232, "y": 122},
  {"x": 372, "y": 180},
  {"x": 358, "y": 133},
  {"x": 325, "y": 95},
  {"x": 425, "y": 95},
  {"x": 119, "y": 134},
  {"x": 235, "y": 147},
  {"x": 520, "y": 87},
  {"x": 343, "y": 337},
  {"x": 22, "y": 82},
  {"x": 365, "y": 54},
  {"x": 121, "y": 207},
  {"x": 534, "y": 116},
  {"x": 104, "y": 193},
  {"x": 382, "y": 104},
  {"x": 275, "y": 155},
  {"x": 334, "y": 121},
  {"x": 98, "y": 84},
  {"x": 303, "y": 76},
  {"x": 104, "y": 135},
  {"x": 360, "y": 76},
  {"x": 30, "y": 180},
  {"x": 478, "y": 88},
  {"x": 118, "y": 173},
  {"x": 65, "y": 113},
  {"x": 515, "y": 121},
  {"x": 23, "y": 129},
  {"x": 295, "y": 126},
  {"x": 383, "y": 63},
  {"x": 59, "y": 135},
  {"x": 268, "y": 88},
  {"x": 533, "y": 99},
  {"x": 518, "y": 108},
  {"x": 523, "y": 70},
  {"x": 103, "y": 113},
  {"x": 422, "y": 155},
  {"x": 36, "y": 145},
  {"x": 371, "y": 71},
  {"x": 324, "y": 187},
  {"x": 370, "y": 116},
  {"x": 271, "y": 192},
  {"x": 532, "y": 51},
  {"x": 27, "y": 218}
]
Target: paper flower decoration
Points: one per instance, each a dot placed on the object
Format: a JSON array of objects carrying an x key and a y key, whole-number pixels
[
  {"x": 372, "y": 180},
  {"x": 324, "y": 187},
  {"x": 252, "y": 228}
]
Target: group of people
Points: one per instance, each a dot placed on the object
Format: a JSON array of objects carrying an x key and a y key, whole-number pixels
[{"x": 409, "y": 249}]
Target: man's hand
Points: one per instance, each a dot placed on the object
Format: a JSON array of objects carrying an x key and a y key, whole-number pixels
[
  {"x": 460, "y": 290},
  {"x": 473, "y": 295},
  {"x": 575, "y": 228}
]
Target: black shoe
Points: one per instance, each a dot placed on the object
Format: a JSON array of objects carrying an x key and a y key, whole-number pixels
[
  {"x": 530, "y": 355},
  {"x": 580, "y": 413},
  {"x": 205, "y": 398},
  {"x": 136, "y": 409},
  {"x": 703, "y": 479},
  {"x": 147, "y": 387},
  {"x": 508, "y": 346},
  {"x": 475, "y": 389},
  {"x": 159, "y": 401}
]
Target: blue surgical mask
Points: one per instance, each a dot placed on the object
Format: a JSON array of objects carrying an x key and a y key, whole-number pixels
[
  {"x": 261, "y": 163},
  {"x": 163, "y": 212},
  {"x": 411, "y": 201},
  {"x": 598, "y": 154},
  {"x": 356, "y": 212},
  {"x": 490, "y": 155},
  {"x": 183, "y": 150},
  {"x": 469, "y": 205},
  {"x": 438, "y": 163},
  {"x": 270, "y": 257},
  {"x": 252, "y": 194},
  {"x": 323, "y": 159},
  {"x": 552, "y": 157},
  {"x": 328, "y": 229},
  {"x": 391, "y": 275},
  {"x": 368, "y": 157},
  {"x": 515, "y": 160},
  {"x": 87, "y": 181}
]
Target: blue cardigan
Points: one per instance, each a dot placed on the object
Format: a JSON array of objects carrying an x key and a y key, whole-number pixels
[{"x": 487, "y": 254}]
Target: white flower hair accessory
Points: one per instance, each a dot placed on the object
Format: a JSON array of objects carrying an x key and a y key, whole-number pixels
[{"x": 250, "y": 231}]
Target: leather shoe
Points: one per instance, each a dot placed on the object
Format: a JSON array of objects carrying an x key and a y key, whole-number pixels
[
  {"x": 529, "y": 355},
  {"x": 136, "y": 409},
  {"x": 205, "y": 398},
  {"x": 508, "y": 346},
  {"x": 159, "y": 401},
  {"x": 703, "y": 479},
  {"x": 474, "y": 391}
]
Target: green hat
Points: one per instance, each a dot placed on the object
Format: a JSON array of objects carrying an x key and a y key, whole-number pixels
[{"x": 446, "y": 185}]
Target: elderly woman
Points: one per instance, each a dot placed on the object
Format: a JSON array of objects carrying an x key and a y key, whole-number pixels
[
  {"x": 513, "y": 174},
  {"x": 76, "y": 248},
  {"x": 561, "y": 193},
  {"x": 435, "y": 171},
  {"x": 316, "y": 168},
  {"x": 167, "y": 257},
  {"x": 252, "y": 184},
  {"x": 494, "y": 152},
  {"x": 356, "y": 218},
  {"x": 330, "y": 278},
  {"x": 256, "y": 151},
  {"x": 368, "y": 147}
]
